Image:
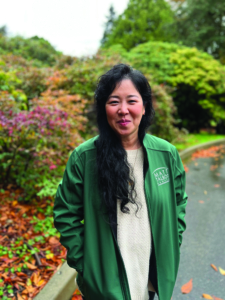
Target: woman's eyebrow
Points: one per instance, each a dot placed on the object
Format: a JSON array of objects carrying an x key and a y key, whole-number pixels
[
  {"x": 132, "y": 96},
  {"x": 114, "y": 96},
  {"x": 117, "y": 97},
  {"x": 129, "y": 96}
]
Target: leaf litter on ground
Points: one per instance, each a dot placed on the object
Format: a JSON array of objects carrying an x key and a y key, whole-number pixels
[
  {"x": 215, "y": 151},
  {"x": 30, "y": 251}
]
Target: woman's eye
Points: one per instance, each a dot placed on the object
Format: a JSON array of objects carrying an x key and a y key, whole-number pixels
[{"x": 132, "y": 101}]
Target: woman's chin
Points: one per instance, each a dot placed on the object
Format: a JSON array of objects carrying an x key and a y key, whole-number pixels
[{"x": 124, "y": 135}]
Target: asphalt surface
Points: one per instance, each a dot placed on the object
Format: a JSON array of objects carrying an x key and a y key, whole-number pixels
[{"x": 204, "y": 239}]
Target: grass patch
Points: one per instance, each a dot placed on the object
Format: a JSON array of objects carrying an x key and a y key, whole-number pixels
[{"x": 198, "y": 138}]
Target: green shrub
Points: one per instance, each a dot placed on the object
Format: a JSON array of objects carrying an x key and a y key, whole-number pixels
[
  {"x": 37, "y": 49},
  {"x": 18, "y": 74},
  {"x": 197, "y": 78},
  {"x": 33, "y": 81},
  {"x": 8, "y": 91},
  {"x": 163, "y": 125}
]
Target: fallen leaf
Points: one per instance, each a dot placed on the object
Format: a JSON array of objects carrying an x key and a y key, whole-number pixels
[
  {"x": 77, "y": 297},
  {"x": 30, "y": 266},
  {"x": 205, "y": 192},
  {"x": 10, "y": 230},
  {"x": 213, "y": 167},
  {"x": 3, "y": 218},
  {"x": 16, "y": 286},
  {"x": 21, "y": 283},
  {"x": 216, "y": 185},
  {"x": 187, "y": 287},
  {"x": 41, "y": 282},
  {"x": 41, "y": 216},
  {"x": 186, "y": 168},
  {"x": 35, "y": 278},
  {"x": 53, "y": 240},
  {"x": 29, "y": 282},
  {"x": 21, "y": 274},
  {"x": 216, "y": 298},
  {"x": 218, "y": 174},
  {"x": 77, "y": 292},
  {"x": 206, "y": 296},
  {"x": 14, "y": 203},
  {"x": 214, "y": 267},
  {"x": 50, "y": 255},
  {"x": 19, "y": 297},
  {"x": 12, "y": 214},
  {"x": 30, "y": 289},
  {"x": 222, "y": 271},
  {"x": 201, "y": 201},
  {"x": 59, "y": 266},
  {"x": 16, "y": 279}
]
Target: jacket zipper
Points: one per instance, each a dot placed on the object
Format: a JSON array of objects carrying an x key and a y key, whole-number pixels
[
  {"x": 123, "y": 281},
  {"x": 150, "y": 221}
]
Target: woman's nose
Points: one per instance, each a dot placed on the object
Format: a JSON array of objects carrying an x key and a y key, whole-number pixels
[{"x": 123, "y": 109}]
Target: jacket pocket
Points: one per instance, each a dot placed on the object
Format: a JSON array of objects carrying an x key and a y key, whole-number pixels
[{"x": 80, "y": 283}]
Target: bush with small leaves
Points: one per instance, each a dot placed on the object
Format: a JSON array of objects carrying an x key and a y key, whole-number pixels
[{"x": 34, "y": 147}]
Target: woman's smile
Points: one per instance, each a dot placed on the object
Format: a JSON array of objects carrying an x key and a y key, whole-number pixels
[{"x": 124, "y": 122}]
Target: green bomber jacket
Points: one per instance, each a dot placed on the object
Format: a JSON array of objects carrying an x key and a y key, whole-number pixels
[{"x": 92, "y": 247}]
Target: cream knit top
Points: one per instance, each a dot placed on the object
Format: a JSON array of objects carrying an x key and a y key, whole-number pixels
[{"x": 134, "y": 234}]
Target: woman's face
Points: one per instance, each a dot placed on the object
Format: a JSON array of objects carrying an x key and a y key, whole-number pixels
[{"x": 124, "y": 110}]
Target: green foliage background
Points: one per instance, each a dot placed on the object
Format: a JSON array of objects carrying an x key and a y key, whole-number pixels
[
  {"x": 188, "y": 86},
  {"x": 142, "y": 21},
  {"x": 201, "y": 24},
  {"x": 192, "y": 23},
  {"x": 37, "y": 49},
  {"x": 198, "y": 81}
]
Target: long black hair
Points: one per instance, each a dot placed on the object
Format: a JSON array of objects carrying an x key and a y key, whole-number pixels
[{"x": 113, "y": 169}]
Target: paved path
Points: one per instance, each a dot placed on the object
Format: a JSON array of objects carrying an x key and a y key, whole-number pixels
[{"x": 204, "y": 239}]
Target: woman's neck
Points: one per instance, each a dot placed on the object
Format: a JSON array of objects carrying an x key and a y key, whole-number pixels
[{"x": 131, "y": 144}]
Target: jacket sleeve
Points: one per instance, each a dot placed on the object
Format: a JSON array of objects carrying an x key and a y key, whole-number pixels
[
  {"x": 181, "y": 196},
  {"x": 68, "y": 212}
]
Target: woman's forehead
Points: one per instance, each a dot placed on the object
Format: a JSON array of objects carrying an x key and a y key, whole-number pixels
[{"x": 125, "y": 86}]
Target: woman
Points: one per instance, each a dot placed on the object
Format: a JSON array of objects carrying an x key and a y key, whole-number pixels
[{"x": 129, "y": 187}]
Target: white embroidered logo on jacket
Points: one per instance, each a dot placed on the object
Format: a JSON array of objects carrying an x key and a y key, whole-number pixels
[{"x": 161, "y": 175}]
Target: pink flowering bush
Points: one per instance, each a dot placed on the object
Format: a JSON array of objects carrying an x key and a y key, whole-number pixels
[{"x": 34, "y": 147}]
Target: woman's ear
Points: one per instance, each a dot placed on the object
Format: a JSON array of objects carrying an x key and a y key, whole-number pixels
[{"x": 144, "y": 110}]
